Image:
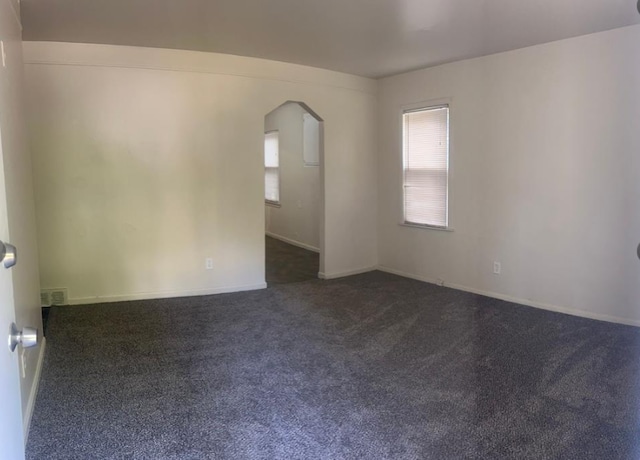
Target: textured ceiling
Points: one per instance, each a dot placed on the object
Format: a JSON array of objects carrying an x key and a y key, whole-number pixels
[{"x": 372, "y": 38}]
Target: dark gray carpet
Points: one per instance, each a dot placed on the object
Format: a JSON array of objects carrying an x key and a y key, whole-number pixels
[
  {"x": 372, "y": 366},
  {"x": 286, "y": 263}
]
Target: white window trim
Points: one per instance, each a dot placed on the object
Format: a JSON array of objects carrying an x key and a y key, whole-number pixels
[
  {"x": 274, "y": 204},
  {"x": 310, "y": 164},
  {"x": 432, "y": 103}
]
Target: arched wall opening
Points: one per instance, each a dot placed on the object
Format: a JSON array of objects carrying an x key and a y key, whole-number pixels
[{"x": 294, "y": 193}]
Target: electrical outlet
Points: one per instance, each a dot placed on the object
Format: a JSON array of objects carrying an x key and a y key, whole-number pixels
[
  {"x": 208, "y": 263},
  {"x": 23, "y": 363},
  {"x": 4, "y": 56},
  {"x": 497, "y": 268}
]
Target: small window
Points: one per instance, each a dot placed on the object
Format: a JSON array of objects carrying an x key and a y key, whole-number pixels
[
  {"x": 311, "y": 140},
  {"x": 271, "y": 168},
  {"x": 425, "y": 145}
]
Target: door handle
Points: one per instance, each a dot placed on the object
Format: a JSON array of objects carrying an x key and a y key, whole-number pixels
[
  {"x": 27, "y": 337},
  {"x": 8, "y": 254}
]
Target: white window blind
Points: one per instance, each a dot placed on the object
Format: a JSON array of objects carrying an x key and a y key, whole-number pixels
[
  {"x": 271, "y": 167},
  {"x": 426, "y": 166}
]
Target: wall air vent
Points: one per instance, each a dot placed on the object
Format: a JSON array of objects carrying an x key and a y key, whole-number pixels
[{"x": 50, "y": 297}]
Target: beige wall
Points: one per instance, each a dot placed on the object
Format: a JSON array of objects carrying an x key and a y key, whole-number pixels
[
  {"x": 545, "y": 162},
  {"x": 147, "y": 161},
  {"x": 297, "y": 220},
  {"x": 20, "y": 202},
  {"x": 134, "y": 190}
]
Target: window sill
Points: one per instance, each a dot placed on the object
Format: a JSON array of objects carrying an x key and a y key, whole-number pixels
[
  {"x": 273, "y": 204},
  {"x": 426, "y": 227}
]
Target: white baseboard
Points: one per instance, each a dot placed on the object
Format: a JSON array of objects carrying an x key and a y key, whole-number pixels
[
  {"x": 26, "y": 423},
  {"x": 164, "y": 294},
  {"x": 293, "y": 242},
  {"x": 357, "y": 271},
  {"x": 529, "y": 303},
  {"x": 393, "y": 271}
]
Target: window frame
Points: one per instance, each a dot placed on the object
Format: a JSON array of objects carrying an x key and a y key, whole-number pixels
[
  {"x": 309, "y": 164},
  {"x": 417, "y": 107},
  {"x": 275, "y": 204}
]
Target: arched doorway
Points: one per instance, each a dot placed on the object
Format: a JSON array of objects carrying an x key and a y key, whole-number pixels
[{"x": 294, "y": 193}]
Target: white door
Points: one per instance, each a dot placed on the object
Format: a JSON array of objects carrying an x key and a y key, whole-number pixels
[{"x": 11, "y": 436}]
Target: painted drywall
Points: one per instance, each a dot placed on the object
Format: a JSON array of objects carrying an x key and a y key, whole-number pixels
[
  {"x": 147, "y": 161},
  {"x": 20, "y": 201},
  {"x": 545, "y": 175},
  {"x": 297, "y": 219}
]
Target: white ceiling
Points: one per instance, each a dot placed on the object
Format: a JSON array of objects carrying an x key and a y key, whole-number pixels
[{"x": 372, "y": 38}]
